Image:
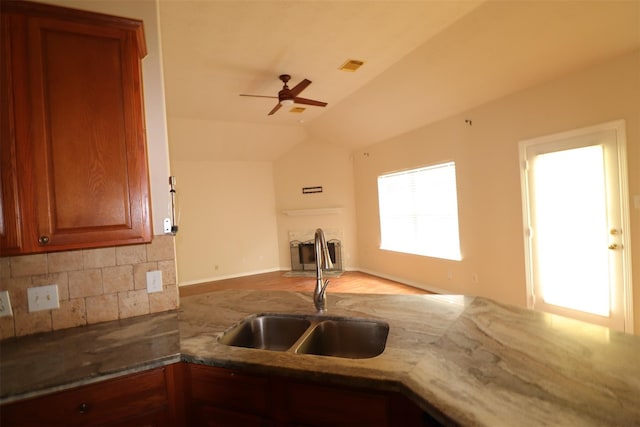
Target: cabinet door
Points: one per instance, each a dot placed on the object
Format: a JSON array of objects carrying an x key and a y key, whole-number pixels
[
  {"x": 88, "y": 135},
  {"x": 311, "y": 404},
  {"x": 158, "y": 418},
  {"x": 212, "y": 416},
  {"x": 225, "y": 397}
]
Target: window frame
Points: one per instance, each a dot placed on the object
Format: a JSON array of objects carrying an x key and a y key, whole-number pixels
[{"x": 422, "y": 220}]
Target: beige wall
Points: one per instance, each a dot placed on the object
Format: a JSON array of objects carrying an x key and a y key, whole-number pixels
[
  {"x": 486, "y": 156},
  {"x": 311, "y": 165},
  {"x": 227, "y": 215},
  {"x": 231, "y": 213}
]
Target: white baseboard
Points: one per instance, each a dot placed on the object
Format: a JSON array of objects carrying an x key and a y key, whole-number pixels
[
  {"x": 424, "y": 286},
  {"x": 229, "y": 276}
]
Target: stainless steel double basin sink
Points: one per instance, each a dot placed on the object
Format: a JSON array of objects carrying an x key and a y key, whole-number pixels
[{"x": 352, "y": 338}]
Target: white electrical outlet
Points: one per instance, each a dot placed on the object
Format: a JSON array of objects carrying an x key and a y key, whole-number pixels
[
  {"x": 5, "y": 304},
  {"x": 43, "y": 298},
  {"x": 167, "y": 225},
  {"x": 154, "y": 281}
]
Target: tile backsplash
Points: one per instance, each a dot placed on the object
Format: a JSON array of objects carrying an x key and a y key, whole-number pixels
[{"x": 94, "y": 285}]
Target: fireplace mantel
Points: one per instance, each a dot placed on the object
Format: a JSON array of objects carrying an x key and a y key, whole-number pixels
[{"x": 315, "y": 211}]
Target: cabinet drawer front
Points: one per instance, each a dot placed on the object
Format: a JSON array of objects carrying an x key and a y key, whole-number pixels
[
  {"x": 317, "y": 405},
  {"x": 229, "y": 389},
  {"x": 101, "y": 403}
]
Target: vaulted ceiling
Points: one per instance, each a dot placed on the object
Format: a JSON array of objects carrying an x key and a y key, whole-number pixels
[{"x": 423, "y": 61}]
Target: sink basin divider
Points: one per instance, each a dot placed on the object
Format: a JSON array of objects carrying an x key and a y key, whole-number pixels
[{"x": 314, "y": 323}]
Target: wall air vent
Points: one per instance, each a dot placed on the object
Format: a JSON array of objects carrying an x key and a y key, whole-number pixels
[
  {"x": 297, "y": 110},
  {"x": 351, "y": 65}
]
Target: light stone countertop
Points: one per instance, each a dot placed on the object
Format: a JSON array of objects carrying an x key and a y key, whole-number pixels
[{"x": 474, "y": 360}]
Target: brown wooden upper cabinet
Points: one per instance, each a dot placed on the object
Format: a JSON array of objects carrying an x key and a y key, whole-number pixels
[{"x": 73, "y": 149}]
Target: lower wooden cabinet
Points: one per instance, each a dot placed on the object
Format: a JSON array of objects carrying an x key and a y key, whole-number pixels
[
  {"x": 185, "y": 394},
  {"x": 141, "y": 399},
  {"x": 219, "y": 397}
]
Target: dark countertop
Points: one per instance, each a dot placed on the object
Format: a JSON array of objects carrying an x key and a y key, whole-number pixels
[
  {"x": 477, "y": 361},
  {"x": 54, "y": 361}
]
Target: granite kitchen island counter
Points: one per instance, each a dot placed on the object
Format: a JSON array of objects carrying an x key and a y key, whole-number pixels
[{"x": 475, "y": 361}]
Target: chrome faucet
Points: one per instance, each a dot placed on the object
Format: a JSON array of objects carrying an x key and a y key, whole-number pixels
[{"x": 323, "y": 260}]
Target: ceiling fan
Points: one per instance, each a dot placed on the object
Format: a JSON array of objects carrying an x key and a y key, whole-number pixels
[{"x": 287, "y": 97}]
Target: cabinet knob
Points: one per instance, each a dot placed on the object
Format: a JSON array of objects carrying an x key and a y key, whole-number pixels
[
  {"x": 83, "y": 408},
  {"x": 43, "y": 240}
]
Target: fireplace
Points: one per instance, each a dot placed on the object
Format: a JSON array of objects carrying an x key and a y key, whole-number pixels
[
  {"x": 303, "y": 255},
  {"x": 301, "y": 245}
]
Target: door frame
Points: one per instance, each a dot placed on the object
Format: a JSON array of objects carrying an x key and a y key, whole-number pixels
[{"x": 619, "y": 126}]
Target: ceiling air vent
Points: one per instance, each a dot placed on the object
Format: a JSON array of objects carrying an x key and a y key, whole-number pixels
[
  {"x": 351, "y": 65},
  {"x": 297, "y": 110}
]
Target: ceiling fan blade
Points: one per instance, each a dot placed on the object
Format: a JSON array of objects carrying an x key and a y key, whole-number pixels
[
  {"x": 309, "y": 102},
  {"x": 300, "y": 87},
  {"x": 259, "y": 96},
  {"x": 276, "y": 108}
]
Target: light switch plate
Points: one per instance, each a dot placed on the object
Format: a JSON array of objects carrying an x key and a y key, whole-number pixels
[
  {"x": 5, "y": 304},
  {"x": 43, "y": 298},
  {"x": 154, "y": 281}
]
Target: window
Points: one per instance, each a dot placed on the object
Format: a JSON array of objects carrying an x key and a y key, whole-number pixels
[{"x": 419, "y": 212}]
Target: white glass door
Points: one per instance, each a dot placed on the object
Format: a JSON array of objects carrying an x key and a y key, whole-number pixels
[{"x": 575, "y": 223}]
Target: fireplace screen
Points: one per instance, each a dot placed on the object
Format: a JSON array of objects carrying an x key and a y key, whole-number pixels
[{"x": 303, "y": 255}]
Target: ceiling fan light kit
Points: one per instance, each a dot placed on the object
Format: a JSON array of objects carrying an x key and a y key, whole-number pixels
[{"x": 287, "y": 97}]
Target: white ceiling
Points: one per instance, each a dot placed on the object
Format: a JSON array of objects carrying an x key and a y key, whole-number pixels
[{"x": 424, "y": 61}]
